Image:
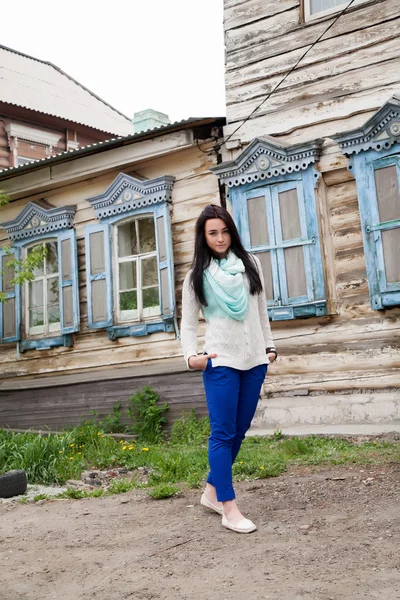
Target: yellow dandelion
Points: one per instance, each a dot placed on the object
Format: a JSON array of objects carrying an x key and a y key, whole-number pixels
[
  {"x": 262, "y": 468},
  {"x": 241, "y": 462},
  {"x": 60, "y": 452},
  {"x": 71, "y": 458},
  {"x": 131, "y": 447},
  {"x": 194, "y": 473},
  {"x": 145, "y": 449},
  {"x": 99, "y": 433},
  {"x": 124, "y": 447},
  {"x": 72, "y": 445}
]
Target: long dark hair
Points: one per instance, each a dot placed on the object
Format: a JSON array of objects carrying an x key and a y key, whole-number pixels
[{"x": 203, "y": 254}]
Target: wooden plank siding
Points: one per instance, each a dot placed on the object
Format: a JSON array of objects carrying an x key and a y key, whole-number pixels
[
  {"x": 194, "y": 188},
  {"x": 58, "y": 407},
  {"x": 353, "y": 69},
  {"x": 341, "y": 82}
]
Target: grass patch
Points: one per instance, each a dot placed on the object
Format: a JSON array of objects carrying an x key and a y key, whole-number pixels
[
  {"x": 181, "y": 460},
  {"x": 162, "y": 491}
]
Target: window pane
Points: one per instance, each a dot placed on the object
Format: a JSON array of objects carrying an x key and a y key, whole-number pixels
[
  {"x": 295, "y": 272},
  {"x": 36, "y": 294},
  {"x": 150, "y": 297},
  {"x": 258, "y": 221},
  {"x": 290, "y": 218},
  {"x": 149, "y": 271},
  {"x": 128, "y": 300},
  {"x": 387, "y": 190},
  {"x": 265, "y": 260},
  {"x": 391, "y": 253},
  {"x": 52, "y": 291},
  {"x": 127, "y": 275},
  {"x": 127, "y": 242},
  {"x": 320, "y": 5},
  {"x": 54, "y": 314},
  {"x": 51, "y": 258},
  {"x": 36, "y": 318},
  {"x": 147, "y": 235},
  {"x": 39, "y": 270}
]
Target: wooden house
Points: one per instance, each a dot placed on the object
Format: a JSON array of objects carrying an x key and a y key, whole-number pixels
[
  {"x": 312, "y": 177},
  {"x": 100, "y": 319},
  {"x": 44, "y": 111}
]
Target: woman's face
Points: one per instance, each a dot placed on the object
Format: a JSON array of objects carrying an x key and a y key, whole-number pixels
[{"x": 218, "y": 237}]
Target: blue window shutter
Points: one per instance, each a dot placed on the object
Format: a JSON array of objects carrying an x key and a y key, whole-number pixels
[
  {"x": 99, "y": 275},
  {"x": 165, "y": 262},
  {"x": 10, "y": 311},
  {"x": 383, "y": 294},
  {"x": 68, "y": 281}
]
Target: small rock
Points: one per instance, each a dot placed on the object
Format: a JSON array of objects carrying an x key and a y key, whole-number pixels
[
  {"x": 305, "y": 527},
  {"x": 91, "y": 481},
  {"x": 74, "y": 482},
  {"x": 190, "y": 506}
]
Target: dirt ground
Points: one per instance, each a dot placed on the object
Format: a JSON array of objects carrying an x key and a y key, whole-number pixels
[{"x": 323, "y": 534}]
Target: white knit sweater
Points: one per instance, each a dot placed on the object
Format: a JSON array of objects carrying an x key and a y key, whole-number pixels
[{"x": 237, "y": 344}]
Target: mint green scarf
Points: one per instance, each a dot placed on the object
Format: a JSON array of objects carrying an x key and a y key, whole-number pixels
[{"x": 225, "y": 278}]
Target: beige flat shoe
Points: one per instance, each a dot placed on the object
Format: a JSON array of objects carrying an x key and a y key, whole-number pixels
[
  {"x": 244, "y": 526},
  {"x": 207, "y": 504}
]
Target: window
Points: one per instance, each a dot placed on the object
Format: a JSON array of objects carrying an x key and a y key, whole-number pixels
[
  {"x": 314, "y": 9},
  {"x": 129, "y": 262},
  {"x": 42, "y": 298},
  {"x": 374, "y": 150},
  {"x": 28, "y": 144},
  {"x": 137, "y": 272},
  {"x": 278, "y": 223},
  {"x": 45, "y": 312},
  {"x": 21, "y": 160}
]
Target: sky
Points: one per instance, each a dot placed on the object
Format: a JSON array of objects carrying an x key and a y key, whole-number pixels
[{"x": 135, "y": 54}]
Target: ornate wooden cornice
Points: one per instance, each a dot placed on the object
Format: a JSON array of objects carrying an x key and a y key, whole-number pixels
[
  {"x": 380, "y": 132},
  {"x": 265, "y": 158},
  {"x": 38, "y": 218},
  {"x": 128, "y": 193}
]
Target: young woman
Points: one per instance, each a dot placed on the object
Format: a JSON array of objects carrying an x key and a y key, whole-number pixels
[{"x": 226, "y": 284}]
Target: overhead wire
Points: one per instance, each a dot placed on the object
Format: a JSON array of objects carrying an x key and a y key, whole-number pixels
[{"x": 217, "y": 147}]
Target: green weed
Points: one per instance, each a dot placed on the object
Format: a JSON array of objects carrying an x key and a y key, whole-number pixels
[
  {"x": 163, "y": 490},
  {"x": 148, "y": 416}
]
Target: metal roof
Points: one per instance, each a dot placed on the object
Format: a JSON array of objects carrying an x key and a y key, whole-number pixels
[
  {"x": 112, "y": 143},
  {"x": 41, "y": 86}
]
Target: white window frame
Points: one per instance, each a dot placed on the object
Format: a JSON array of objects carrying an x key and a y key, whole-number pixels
[
  {"x": 123, "y": 316},
  {"x": 308, "y": 16},
  {"x": 47, "y": 328}
]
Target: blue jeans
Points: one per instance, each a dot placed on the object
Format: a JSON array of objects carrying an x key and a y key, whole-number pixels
[{"x": 232, "y": 398}]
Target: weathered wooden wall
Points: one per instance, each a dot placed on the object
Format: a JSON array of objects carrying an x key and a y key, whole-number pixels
[
  {"x": 338, "y": 86},
  {"x": 57, "y": 406},
  {"x": 194, "y": 187},
  {"x": 350, "y": 73}
]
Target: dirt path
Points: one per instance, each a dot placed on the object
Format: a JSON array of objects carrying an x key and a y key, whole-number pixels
[{"x": 129, "y": 546}]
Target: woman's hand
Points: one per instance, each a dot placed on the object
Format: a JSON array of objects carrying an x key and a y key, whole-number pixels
[
  {"x": 200, "y": 362},
  {"x": 271, "y": 356}
]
